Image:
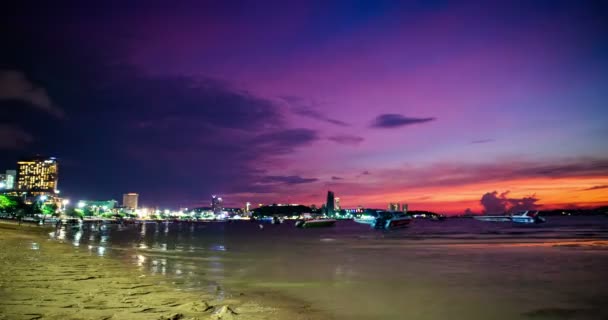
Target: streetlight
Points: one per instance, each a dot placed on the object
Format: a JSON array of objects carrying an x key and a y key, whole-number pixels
[
  {"x": 65, "y": 202},
  {"x": 43, "y": 198},
  {"x": 81, "y": 204}
]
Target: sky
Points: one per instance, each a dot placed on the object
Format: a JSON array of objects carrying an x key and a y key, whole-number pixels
[{"x": 449, "y": 106}]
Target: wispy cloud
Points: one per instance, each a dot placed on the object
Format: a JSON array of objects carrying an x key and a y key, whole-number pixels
[
  {"x": 482, "y": 141},
  {"x": 346, "y": 139},
  {"x": 336, "y": 178},
  {"x": 596, "y": 188},
  {"x": 13, "y": 137},
  {"x": 303, "y": 108},
  {"x": 288, "y": 179},
  {"x": 14, "y": 85},
  {"x": 392, "y": 120}
]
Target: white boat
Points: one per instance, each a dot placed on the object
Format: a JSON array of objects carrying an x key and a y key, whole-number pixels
[
  {"x": 527, "y": 217},
  {"x": 384, "y": 220},
  {"x": 493, "y": 218},
  {"x": 520, "y": 217}
]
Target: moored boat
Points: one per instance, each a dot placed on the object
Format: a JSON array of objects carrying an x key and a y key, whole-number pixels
[
  {"x": 385, "y": 220},
  {"x": 522, "y": 217},
  {"x": 315, "y": 223}
]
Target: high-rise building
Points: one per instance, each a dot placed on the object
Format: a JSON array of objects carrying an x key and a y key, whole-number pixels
[
  {"x": 216, "y": 204},
  {"x": 37, "y": 174},
  {"x": 393, "y": 206},
  {"x": 404, "y": 207},
  {"x": 330, "y": 205},
  {"x": 247, "y": 207},
  {"x": 130, "y": 200},
  {"x": 10, "y": 178},
  {"x": 337, "y": 204}
]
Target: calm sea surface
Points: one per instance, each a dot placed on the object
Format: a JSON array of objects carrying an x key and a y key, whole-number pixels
[{"x": 456, "y": 269}]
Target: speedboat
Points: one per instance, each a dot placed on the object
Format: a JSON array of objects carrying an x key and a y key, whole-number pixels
[
  {"x": 384, "y": 220},
  {"x": 315, "y": 223},
  {"x": 493, "y": 218},
  {"x": 527, "y": 217},
  {"x": 520, "y": 217}
]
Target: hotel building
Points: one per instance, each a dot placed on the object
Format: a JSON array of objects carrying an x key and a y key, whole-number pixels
[{"x": 37, "y": 175}]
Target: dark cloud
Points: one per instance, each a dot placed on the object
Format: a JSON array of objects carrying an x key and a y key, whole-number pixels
[
  {"x": 482, "y": 141},
  {"x": 336, "y": 178},
  {"x": 346, "y": 139},
  {"x": 14, "y": 85},
  {"x": 13, "y": 137},
  {"x": 495, "y": 203},
  {"x": 597, "y": 188},
  {"x": 396, "y": 121},
  {"x": 289, "y": 180},
  {"x": 303, "y": 108},
  {"x": 284, "y": 141}
]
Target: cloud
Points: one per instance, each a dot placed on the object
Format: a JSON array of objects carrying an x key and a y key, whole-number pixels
[
  {"x": 300, "y": 107},
  {"x": 289, "y": 180},
  {"x": 346, "y": 139},
  {"x": 482, "y": 141},
  {"x": 495, "y": 203},
  {"x": 286, "y": 140},
  {"x": 336, "y": 178},
  {"x": 396, "y": 121},
  {"x": 14, "y": 85},
  {"x": 13, "y": 137},
  {"x": 596, "y": 188}
]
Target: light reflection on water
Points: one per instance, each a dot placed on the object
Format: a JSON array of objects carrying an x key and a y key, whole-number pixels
[{"x": 451, "y": 270}]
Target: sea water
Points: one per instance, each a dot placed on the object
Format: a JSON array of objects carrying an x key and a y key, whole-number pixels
[{"x": 454, "y": 269}]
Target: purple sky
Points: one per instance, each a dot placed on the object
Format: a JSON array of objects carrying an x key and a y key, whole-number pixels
[{"x": 279, "y": 101}]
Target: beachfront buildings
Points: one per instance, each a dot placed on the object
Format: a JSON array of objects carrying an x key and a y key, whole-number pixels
[
  {"x": 393, "y": 207},
  {"x": 37, "y": 175},
  {"x": 129, "y": 200}
]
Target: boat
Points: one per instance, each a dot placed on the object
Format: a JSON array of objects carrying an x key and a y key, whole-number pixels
[
  {"x": 315, "y": 223},
  {"x": 438, "y": 217},
  {"x": 527, "y": 217},
  {"x": 385, "y": 220},
  {"x": 520, "y": 217},
  {"x": 493, "y": 218}
]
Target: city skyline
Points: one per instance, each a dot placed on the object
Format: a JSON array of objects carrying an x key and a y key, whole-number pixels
[{"x": 444, "y": 106}]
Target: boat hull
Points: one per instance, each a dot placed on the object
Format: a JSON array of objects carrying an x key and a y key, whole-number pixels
[{"x": 316, "y": 223}]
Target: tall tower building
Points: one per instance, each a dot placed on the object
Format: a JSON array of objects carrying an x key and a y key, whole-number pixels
[
  {"x": 130, "y": 200},
  {"x": 337, "y": 204},
  {"x": 330, "y": 205},
  {"x": 217, "y": 204},
  {"x": 37, "y": 174}
]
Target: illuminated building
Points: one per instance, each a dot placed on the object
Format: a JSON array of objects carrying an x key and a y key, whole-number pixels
[
  {"x": 393, "y": 207},
  {"x": 9, "y": 180},
  {"x": 37, "y": 175},
  {"x": 330, "y": 205},
  {"x": 129, "y": 200},
  {"x": 337, "y": 204},
  {"x": 216, "y": 204},
  {"x": 404, "y": 207},
  {"x": 247, "y": 207}
]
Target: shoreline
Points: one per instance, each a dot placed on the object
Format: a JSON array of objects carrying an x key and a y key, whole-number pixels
[{"x": 44, "y": 279}]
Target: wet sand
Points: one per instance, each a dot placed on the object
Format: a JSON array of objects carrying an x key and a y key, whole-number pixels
[{"x": 43, "y": 279}]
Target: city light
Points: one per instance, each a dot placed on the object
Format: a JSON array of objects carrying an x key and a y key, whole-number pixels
[
  {"x": 2, "y": 185},
  {"x": 43, "y": 198},
  {"x": 65, "y": 202},
  {"x": 81, "y": 204}
]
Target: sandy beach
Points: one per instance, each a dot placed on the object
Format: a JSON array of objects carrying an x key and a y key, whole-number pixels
[{"x": 43, "y": 279}]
